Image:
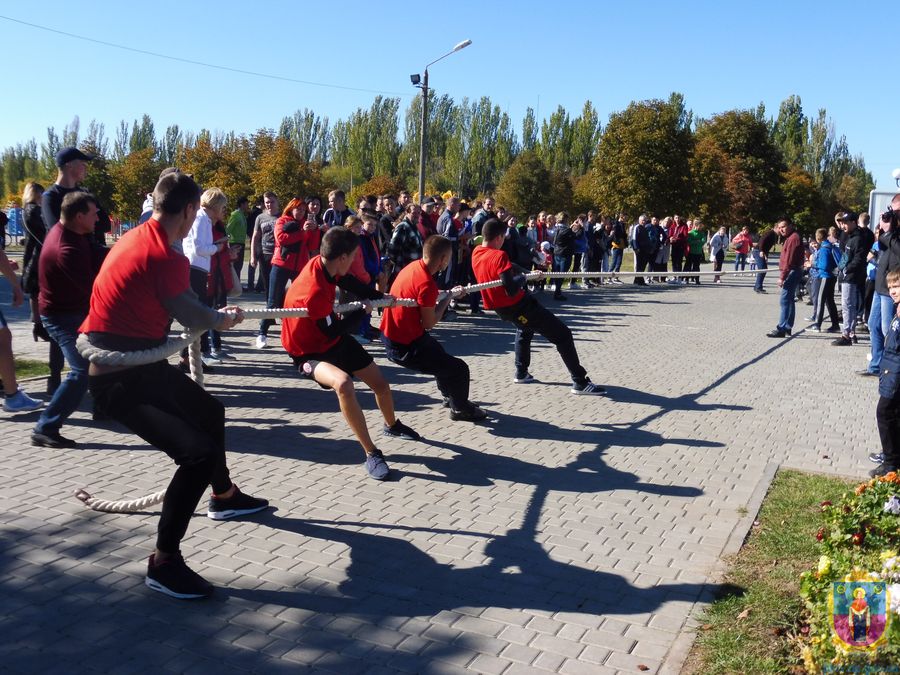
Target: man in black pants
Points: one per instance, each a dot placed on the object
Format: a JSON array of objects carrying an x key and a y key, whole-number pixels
[
  {"x": 514, "y": 304},
  {"x": 404, "y": 330},
  {"x": 143, "y": 283}
]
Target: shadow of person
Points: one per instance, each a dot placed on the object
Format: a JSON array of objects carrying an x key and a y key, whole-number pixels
[{"x": 389, "y": 576}]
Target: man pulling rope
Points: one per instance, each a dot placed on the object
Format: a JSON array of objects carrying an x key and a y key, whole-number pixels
[{"x": 143, "y": 284}]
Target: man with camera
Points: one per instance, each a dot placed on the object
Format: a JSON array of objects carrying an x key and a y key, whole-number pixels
[
  {"x": 853, "y": 274},
  {"x": 882, "y": 312}
]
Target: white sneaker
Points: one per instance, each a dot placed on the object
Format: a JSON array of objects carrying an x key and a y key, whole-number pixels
[{"x": 262, "y": 342}]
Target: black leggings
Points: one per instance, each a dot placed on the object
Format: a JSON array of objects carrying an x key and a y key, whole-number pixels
[
  {"x": 532, "y": 317},
  {"x": 173, "y": 413},
  {"x": 426, "y": 355},
  {"x": 826, "y": 299}
]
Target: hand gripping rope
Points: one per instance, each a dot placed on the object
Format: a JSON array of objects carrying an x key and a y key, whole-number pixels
[{"x": 192, "y": 342}]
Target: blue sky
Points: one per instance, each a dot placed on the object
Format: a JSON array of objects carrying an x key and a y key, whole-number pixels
[{"x": 720, "y": 55}]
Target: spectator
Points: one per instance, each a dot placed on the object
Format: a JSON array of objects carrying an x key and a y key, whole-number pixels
[
  {"x": 563, "y": 251},
  {"x": 314, "y": 211},
  {"x": 717, "y": 247},
  {"x": 742, "y": 243},
  {"x": 34, "y": 242},
  {"x": 428, "y": 218},
  {"x": 659, "y": 238},
  {"x": 618, "y": 241},
  {"x": 853, "y": 274},
  {"x": 68, "y": 264},
  {"x": 643, "y": 248},
  {"x": 406, "y": 242},
  {"x": 678, "y": 233},
  {"x": 262, "y": 243},
  {"x": 15, "y": 400},
  {"x": 72, "y": 170},
  {"x": 696, "y": 240},
  {"x": 449, "y": 227},
  {"x": 815, "y": 281},
  {"x": 887, "y": 412},
  {"x": 337, "y": 211},
  {"x": 483, "y": 214},
  {"x": 827, "y": 260},
  {"x": 882, "y": 313},
  {"x": 791, "y": 270},
  {"x": 199, "y": 246},
  {"x": 296, "y": 239},
  {"x": 251, "y": 224},
  {"x": 761, "y": 255},
  {"x": 237, "y": 233}
]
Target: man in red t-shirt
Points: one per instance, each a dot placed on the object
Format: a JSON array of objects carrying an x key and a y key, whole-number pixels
[
  {"x": 404, "y": 330},
  {"x": 321, "y": 346},
  {"x": 142, "y": 285},
  {"x": 514, "y": 304}
]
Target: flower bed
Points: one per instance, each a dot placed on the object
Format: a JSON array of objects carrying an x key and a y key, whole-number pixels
[{"x": 859, "y": 544}]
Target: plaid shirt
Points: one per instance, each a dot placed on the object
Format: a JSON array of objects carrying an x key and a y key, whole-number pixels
[{"x": 405, "y": 245}]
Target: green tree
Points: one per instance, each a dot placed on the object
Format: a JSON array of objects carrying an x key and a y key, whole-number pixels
[
  {"x": 527, "y": 186},
  {"x": 585, "y": 135},
  {"x": 802, "y": 200},
  {"x": 555, "y": 147},
  {"x": 642, "y": 161},
  {"x": 143, "y": 135},
  {"x": 789, "y": 131},
  {"x": 281, "y": 169},
  {"x": 529, "y": 130}
]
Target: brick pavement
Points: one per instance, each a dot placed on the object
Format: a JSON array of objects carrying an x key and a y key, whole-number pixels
[{"x": 571, "y": 535}]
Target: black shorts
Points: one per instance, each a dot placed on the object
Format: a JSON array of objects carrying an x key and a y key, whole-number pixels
[{"x": 347, "y": 354}]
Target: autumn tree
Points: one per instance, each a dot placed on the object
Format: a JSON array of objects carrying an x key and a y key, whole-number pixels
[
  {"x": 379, "y": 185},
  {"x": 132, "y": 179},
  {"x": 281, "y": 169}
]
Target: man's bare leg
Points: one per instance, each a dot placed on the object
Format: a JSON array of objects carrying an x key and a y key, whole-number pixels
[{"x": 342, "y": 383}]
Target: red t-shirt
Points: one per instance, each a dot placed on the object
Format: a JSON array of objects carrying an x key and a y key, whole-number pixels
[
  {"x": 139, "y": 273},
  {"x": 488, "y": 264},
  {"x": 314, "y": 291},
  {"x": 404, "y": 324}
]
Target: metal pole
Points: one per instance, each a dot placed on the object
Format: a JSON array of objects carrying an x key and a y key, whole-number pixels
[{"x": 423, "y": 138}]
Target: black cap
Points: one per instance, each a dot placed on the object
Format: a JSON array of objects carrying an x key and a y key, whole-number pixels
[
  {"x": 429, "y": 200},
  {"x": 845, "y": 216},
  {"x": 368, "y": 213},
  {"x": 67, "y": 155},
  {"x": 464, "y": 207}
]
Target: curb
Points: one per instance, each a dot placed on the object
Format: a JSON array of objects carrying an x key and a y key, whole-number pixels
[{"x": 681, "y": 648}]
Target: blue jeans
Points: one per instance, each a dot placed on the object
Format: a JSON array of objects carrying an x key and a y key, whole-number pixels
[
  {"x": 880, "y": 317},
  {"x": 616, "y": 264},
  {"x": 561, "y": 263},
  {"x": 740, "y": 261},
  {"x": 63, "y": 328},
  {"x": 760, "y": 264},
  {"x": 788, "y": 296},
  {"x": 278, "y": 279}
]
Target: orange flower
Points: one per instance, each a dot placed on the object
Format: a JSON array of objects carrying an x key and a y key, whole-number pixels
[{"x": 861, "y": 488}]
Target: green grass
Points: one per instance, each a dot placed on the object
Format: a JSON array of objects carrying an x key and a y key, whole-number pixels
[
  {"x": 31, "y": 368},
  {"x": 746, "y": 630}
]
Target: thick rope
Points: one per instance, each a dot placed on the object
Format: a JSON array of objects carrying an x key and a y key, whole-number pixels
[{"x": 122, "y": 506}]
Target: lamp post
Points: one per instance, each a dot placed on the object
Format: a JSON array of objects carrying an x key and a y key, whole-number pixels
[
  {"x": 423, "y": 84},
  {"x": 895, "y": 173}
]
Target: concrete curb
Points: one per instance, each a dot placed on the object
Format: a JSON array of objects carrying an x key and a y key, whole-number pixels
[{"x": 681, "y": 648}]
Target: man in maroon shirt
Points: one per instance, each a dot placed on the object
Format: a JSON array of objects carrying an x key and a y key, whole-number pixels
[
  {"x": 791, "y": 265},
  {"x": 68, "y": 264}
]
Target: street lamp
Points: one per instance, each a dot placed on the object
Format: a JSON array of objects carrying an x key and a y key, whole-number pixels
[
  {"x": 895, "y": 173},
  {"x": 422, "y": 83}
]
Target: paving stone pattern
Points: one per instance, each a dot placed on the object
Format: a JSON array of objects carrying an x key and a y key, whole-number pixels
[{"x": 572, "y": 534}]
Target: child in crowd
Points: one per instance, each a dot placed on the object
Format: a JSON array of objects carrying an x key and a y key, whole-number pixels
[{"x": 887, "y": 413}]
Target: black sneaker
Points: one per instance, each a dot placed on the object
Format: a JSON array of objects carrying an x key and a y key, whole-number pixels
[
  {"x": 588, "y": 389},
  {"x": 174, "y": 578},
  {"x": 560, "y": 298},
  {"x": 471, "y": 414},
  {"x": 238, "y": 504},
  {"x": 882, "y": 469},
  {"x": 51, "y": 439},
  {"x": 867, "y": 373},
  {"x": 877, "y": 458},
  {"x": 400, "y": 430},
  {"x": 843, "y": 341}
]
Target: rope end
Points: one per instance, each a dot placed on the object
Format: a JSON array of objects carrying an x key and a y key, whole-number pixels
[{"x": 82, "y": 495}]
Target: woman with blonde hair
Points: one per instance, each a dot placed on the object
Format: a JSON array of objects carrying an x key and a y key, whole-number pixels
[
  {"x": 34, "y": 241},
  {"x": 199, "y": 248}
]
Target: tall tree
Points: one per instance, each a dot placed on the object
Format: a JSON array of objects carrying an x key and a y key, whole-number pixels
[
  {"x": 789, "y": 131},
  {"x": 143, "y": 135},
  {"x": 527, "y": 186},
  {"x": 754, "y": 165},
  {"x": 529, "y": 130},
  {"x": 642, "y": 161},
  {"x": 585, "y": 135},
  {"x": 169, "y": 145},
  {"x": 133, "y": 178}
]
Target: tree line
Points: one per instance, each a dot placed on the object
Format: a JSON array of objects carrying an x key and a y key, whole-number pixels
[{"x": 736, "y": 167}]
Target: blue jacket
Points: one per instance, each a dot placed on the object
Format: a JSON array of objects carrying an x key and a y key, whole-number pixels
[
  {"x": 827, "y": 259},
  {"x": 889, "y": 380}
]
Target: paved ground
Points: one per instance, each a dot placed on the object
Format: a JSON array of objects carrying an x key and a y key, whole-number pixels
[{"x": 571, "y": 535}]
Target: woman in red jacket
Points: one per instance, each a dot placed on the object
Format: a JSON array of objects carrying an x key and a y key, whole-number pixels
[{"x": 296, "y": 237}]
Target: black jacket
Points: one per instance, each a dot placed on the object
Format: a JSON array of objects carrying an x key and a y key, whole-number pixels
[
  {"x": 856, "y": 250},
  {"x": 564, "y": 242},
  {"x": 889, "y": 259}
]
